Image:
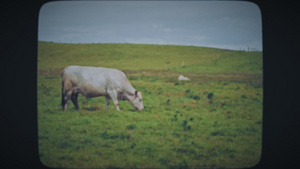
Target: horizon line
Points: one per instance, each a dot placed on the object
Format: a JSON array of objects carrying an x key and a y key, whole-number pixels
[{"x": 249, "y": 49}]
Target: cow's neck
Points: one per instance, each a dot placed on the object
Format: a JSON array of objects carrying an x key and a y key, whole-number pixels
[
  {"x": 129, "y": 94},
  {"x": 128, "y": 89}
]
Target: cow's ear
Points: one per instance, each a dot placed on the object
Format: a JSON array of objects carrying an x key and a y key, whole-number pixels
[{"x": 135, "y": 93}]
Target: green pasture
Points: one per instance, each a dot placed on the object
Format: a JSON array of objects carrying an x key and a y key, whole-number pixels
[{"x": 212, "y": 121}]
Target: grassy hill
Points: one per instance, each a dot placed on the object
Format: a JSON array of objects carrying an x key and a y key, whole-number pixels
[
  {"x": 212, "y": 121},
  {"x": 149, "y": 57}
]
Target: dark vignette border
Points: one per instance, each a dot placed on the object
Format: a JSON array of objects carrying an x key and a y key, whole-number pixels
[{"x": 18, "y": 49}]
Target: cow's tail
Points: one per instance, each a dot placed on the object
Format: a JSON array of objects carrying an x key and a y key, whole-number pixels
[{"x": 62, "y": 93}]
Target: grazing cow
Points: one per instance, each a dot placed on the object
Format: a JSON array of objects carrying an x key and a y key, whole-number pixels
[{"x": 98, "y": 81}]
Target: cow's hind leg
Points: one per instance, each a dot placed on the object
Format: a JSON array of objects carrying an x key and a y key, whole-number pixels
[
  {"x": 74, "y": 98},
  {"x": 67, "y": 92},
  {"x": 67, "y": 99}
]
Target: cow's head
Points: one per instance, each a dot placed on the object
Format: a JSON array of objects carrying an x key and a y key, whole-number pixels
[{"x": 137, "y": 101}]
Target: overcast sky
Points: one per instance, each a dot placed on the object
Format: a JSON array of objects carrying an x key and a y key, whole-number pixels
[{"x": 222, "y": 24}]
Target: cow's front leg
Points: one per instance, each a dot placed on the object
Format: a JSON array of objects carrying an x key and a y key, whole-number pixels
[
  {"x": 107, "y": 102},
  {"x": 113, "y": 95}
]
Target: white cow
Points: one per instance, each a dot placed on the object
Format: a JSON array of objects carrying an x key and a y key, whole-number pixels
[
  {"x": 98, "y": 81},
  {"x": 181, "y": 77}
]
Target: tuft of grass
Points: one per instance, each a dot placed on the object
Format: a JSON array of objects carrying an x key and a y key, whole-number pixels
[
  {"x": 210, "y": 95},
  {"x": 244, "y": 96},
  {"x": 130, "y": 127},
  {"x": 185, "y": 125}
]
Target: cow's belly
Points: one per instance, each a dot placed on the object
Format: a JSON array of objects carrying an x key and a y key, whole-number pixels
[{"x": 90, "y": 91}]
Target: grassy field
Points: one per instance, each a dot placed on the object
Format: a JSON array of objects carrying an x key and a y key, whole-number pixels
[{"x": 212, "y": 121}]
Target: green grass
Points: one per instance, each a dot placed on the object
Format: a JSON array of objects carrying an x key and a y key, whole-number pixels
[
  {"x": 149, "y": 57},
  {"x": 213, "y": 121}
]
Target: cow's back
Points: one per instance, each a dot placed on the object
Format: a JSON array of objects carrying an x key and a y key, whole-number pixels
[{"x": 96, "y": 76}]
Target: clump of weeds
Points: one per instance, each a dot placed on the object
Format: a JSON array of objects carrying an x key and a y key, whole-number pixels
[
  {"x": 185, "y": 125},
  {"x": 191, "y": 95}
]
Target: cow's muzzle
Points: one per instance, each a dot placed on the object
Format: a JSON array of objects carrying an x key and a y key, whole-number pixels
[{"x": 140, "y": 109}]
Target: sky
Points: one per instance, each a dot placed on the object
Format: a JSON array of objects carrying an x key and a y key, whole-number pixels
[{"x": 232, "y": 25}]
